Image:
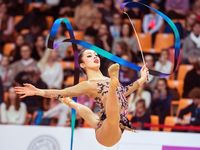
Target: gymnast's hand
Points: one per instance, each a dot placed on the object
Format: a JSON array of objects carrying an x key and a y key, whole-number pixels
[
  {"x": 26, "y": 90},
  {"x": 144, "y": 73}
]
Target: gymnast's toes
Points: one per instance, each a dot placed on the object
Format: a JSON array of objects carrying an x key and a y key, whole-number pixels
[{"x": 113, "y": 71}]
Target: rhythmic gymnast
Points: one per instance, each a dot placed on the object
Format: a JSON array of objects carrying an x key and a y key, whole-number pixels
[{"x": 107, "y": 92}]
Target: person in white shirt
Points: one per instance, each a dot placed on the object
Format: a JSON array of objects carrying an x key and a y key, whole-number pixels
[
  {"x": 51, "y": 69},
  {"x": 163, "y": 64},
  {"x": 13, "y": 111}
]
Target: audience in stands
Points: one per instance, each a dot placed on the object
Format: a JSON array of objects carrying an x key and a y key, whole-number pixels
[
  {"x": 192, "y": 79},
  {"x": 51, "y": 69},
  {"x": 6, "y": 73},
  {"x": 161, "y": 101},
  {"x": 1, "y": 92},
  {"x": 152, "y": 22},
  {"x": 115, "y": 28},
  {"x": 163, "y": 64},
  {"x": 13, "y": 111},
  {"x": 191, "y": 45},
  {"x": 141, "y": 115},
  {"x": 191, "y": 114}
]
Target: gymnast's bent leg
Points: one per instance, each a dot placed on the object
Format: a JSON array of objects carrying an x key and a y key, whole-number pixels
[{"x": 110, "y": 133}]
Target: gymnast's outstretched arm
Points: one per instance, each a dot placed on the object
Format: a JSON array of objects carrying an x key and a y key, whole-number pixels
[
  {"x": 135, "y": 85},
  {"x": 29, "y": 90}
]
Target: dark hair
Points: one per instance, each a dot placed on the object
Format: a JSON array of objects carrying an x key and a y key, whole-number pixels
[
  {"x": 130, "y": 30},
  {"x": 142, "y": 101},
  {"x": 194, "y": 93},
  {"x": 80, "y": 55},
  {"x": 17, "y": 102}
]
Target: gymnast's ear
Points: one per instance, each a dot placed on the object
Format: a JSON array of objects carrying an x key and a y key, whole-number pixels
[{"x": 82, "y": 65}]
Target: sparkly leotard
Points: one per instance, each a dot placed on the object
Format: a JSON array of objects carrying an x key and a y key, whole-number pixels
[{"x": 102, "y": 89}]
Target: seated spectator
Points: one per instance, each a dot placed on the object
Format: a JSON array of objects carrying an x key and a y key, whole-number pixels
[
  {"x": 141, "y": 116},
  {"x": 193, "y": 109},
  {"x": 126, "y": 75},
  {"x": 152, "y": 80},
  {"x": 56, "y": 110},
  {"x": 13, "y": 111},
  {"x": 1, "y": 91},
  {"x": 177, "y": 8},
  {"x": 152, "y": 22},
  {"x": 83, "y": 17},
  {"x": 6, "y": 73},
  {"x": 126, "y": 35},
  {"x": 108, "y": 10},
  {"x": 192, "y": 79},
  {"x": 191, "y": 45},
  {"x": 161, "y": 101},
  {"x": 141, "y": 93},
  {"x": 116, "y": 27},
  {"x": 51, "y": 69},
  {"x": 7, "y": 24},
  {"x": 39, "y": 48},
  {"x": 195, "y": 8},
  {"x": 189, "y": 23},
  {"x": 163, "y": 64},
  {"x": 19, "y": 42},
  {"x": 26, "y": 63}
]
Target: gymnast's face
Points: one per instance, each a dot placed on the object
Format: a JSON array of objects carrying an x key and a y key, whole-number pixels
[{"x": 90, "y": 60}]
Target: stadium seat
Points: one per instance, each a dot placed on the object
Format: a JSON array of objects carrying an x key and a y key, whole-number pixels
[
  {"x": 176, "y": 84},
  {"x": 67, "y": 65},
  {"x": 137, "y": 24},
  {"x": 182, "y": 71},
  {"x": 145, "y": 41},
  {"x": 169, "y": 121},
  {"x": 163, "y": 41},
  {"x": 154, "y": 121},
  {"x": 182, "y": 104},
  {"x": 8, "y": 48},
  {"x": 49, "y": 20},
  {"x": 17, "y": 19},
  {"x": 79, "y": 35}
]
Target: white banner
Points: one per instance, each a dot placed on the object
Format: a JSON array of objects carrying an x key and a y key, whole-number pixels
[{"x": 58, "y": 138}]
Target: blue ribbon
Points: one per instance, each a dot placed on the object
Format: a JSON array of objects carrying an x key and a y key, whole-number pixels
[{"x": 106, "y": 54}]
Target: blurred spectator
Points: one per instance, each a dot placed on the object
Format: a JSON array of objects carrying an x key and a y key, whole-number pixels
[
  {"x": 6, "y": 25},
  {"x": 15, "y": 54},
  {"x": 127, "y": 75},
  {"x": 163, "y": 64},
  {"x": 121, "y": 48},
  {"x": 141, "y": 116},
  {"x": 39, "y": 48},
  {"x": 193, "y": 109},
  {"x": 57, "y": 110},
  {"x": 152, "y": 80},
  {"x": 177, "y": 8},
  {"x": 161, "y": 100},
  {"x": 190, "y": 21},
  {"x": 116, "y": 27},
  {"x": 16, "y": 7},
  {"x": 67, "y": 7},
  {"x": 85, "y": 100},
  {"x": 26, "y": 63},
  {"x": 195, "y": 8},
  {"x": 33, "y": 103},
  {"x": 126, "y": 35},
  {"x": 152, "y": 22},
  {"x": 104, "y": 40},
  {"x": 1, "y": 92},
  {"x": 141, "y": 93},
  {"x": 6, "y": 73},
  {"x": 51, "y": 69},
  {"x": 13, "y": 111},
  {"x": 192, "y": 79},
  {"x": 108, "y": 10},
  {"x": 83, "y": 17},
  {"x": 191, "y": 45}
]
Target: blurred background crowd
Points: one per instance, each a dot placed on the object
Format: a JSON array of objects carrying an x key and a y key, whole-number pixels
[{"x": 24, "y": 58}]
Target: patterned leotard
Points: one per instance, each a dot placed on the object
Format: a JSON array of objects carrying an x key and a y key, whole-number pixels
[{"x": 102, "y": 89}]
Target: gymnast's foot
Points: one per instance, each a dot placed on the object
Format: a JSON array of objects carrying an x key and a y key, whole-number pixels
[{"x": 113, "y": 72}]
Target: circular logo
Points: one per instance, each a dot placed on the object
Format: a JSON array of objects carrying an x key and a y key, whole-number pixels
[{"x": 44, "y": 142}]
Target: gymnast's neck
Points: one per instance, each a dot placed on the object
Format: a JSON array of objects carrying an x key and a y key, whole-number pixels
[{"x": 94, "y": 74}]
